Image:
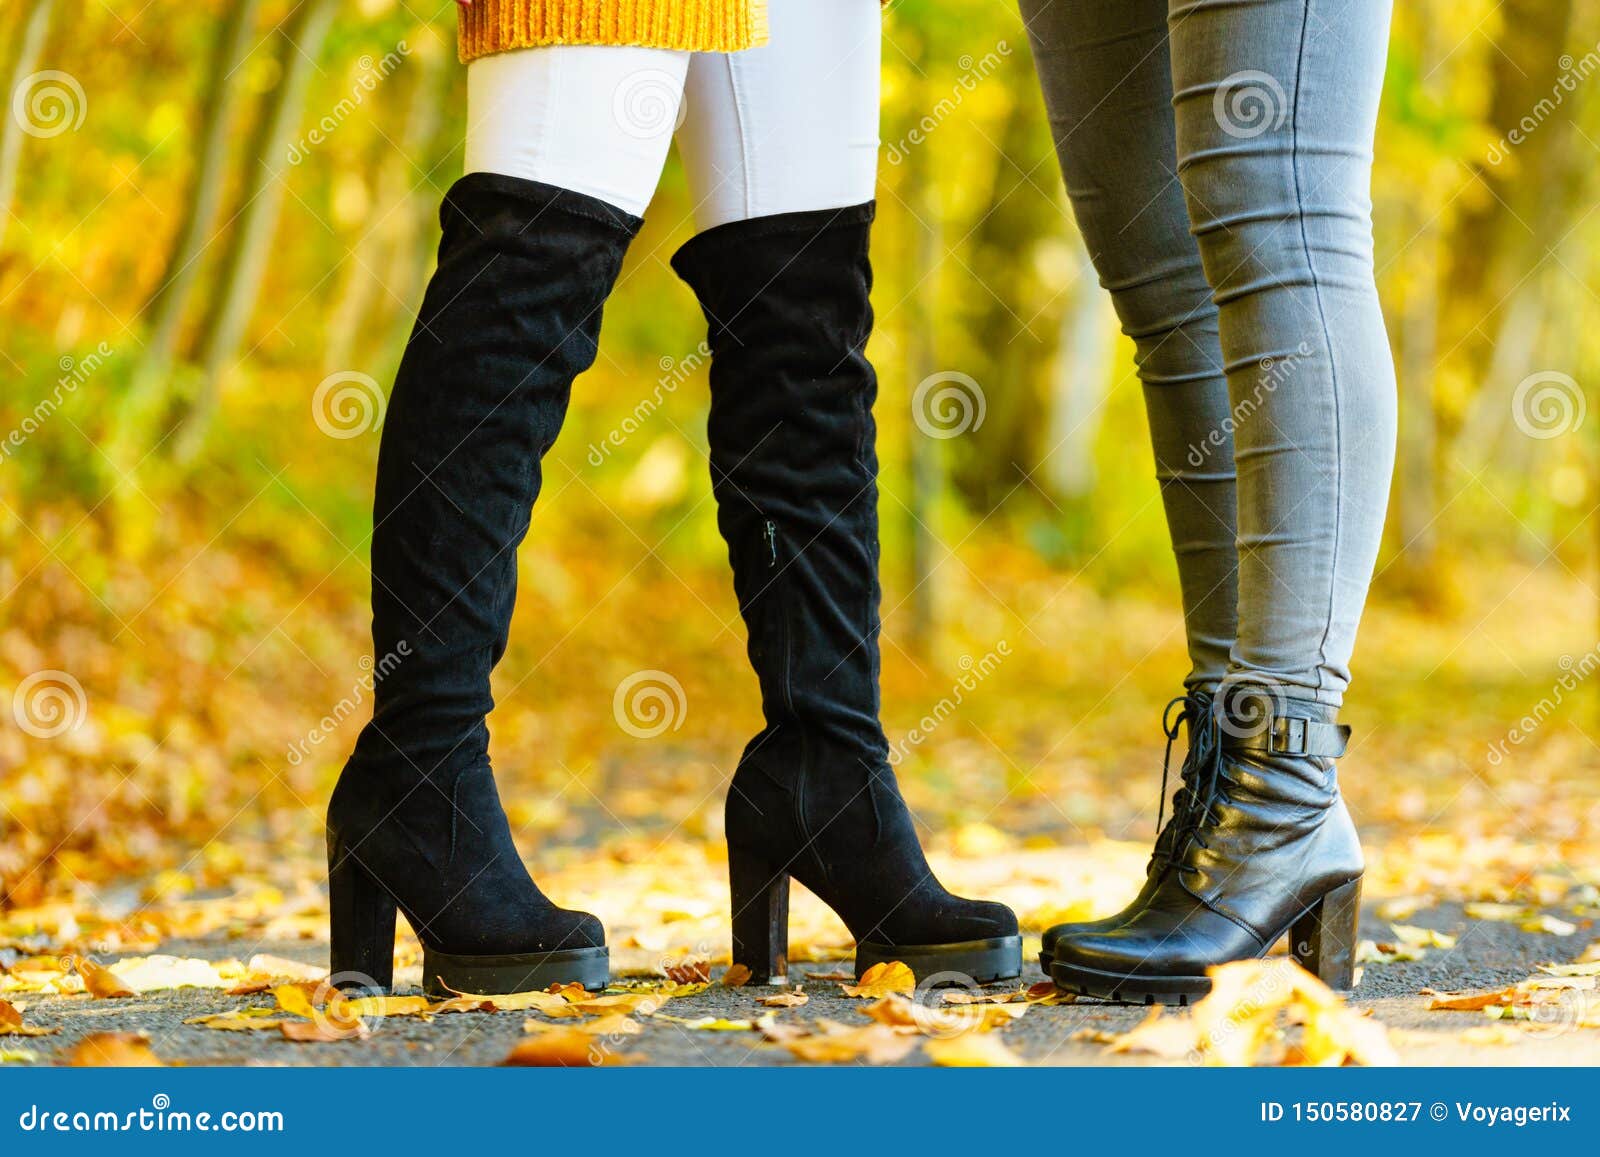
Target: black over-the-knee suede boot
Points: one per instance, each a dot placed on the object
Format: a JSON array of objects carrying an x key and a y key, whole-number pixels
[
  {"x": 509, "y": 319},
  {"x": 794, "y": 469}
]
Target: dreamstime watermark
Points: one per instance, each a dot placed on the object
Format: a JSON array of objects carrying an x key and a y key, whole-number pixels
[
  {"x": 948, "y": 404},
  {"x": 372, "y": 74},
  {"x": 649, "y": 103},
  {"x": 1573, "y": 73},
  {"x": 973, "y": 673},
  {"x": 1548, "y": 404},
  {"x": 160, "y": 1117},
  {"x": 1270, "y": 989},
  {"x": 1249, "y": 103},
  {"x": 695, "y": 959},
  {"x": 939, "y": 1019},
  {"x": 74, "y": 372},
  {"x": 649, "y": 703},
  {"x": 1274, "y": 372},
  {"x": 345, "y": 1006},
  {"x": 348, "y": 404},
  {"x": 973, "y": 72},
  {"x": 674, "y": 372},
  {"x": 1246, "y": 703},
  {"x": 49, "y": 103},
  {"x": 1574, "y": 672},
  {"x": 48, "y": 704},
  {"x": 372, "y": 673},
  {"x": 606, "y": 1045},
  {"x": 1554, "y": 1007}
]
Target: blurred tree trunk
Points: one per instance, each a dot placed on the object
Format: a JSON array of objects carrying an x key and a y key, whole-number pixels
[
  {"x": 32, "y": 29},
  {"x": 1483, "y": 433},
  {"x": 996, "y": 458},
  {"x": 1418, "y": 441},
  {"x": 1413, "y": 495},
  {"x": 1523, "y": 69},
  {"x": 418, "y": 232},
  {"x": 359, "y": 279},
  {"x": 166, "y": 307},
  {"x": 382, "y": 272},
  {"x": 925, "y": 468},
  {"x": 1079, "y": 384},
  {"x": 1512, "y": 289},
  {"x": 138, "y": 419},
  {"x": 1495, "y": 235},
  {"x": 249, "y": 246}
]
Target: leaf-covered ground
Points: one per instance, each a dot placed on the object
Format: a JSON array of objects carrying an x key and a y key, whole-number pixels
[
  {"x": 178, "y": 811},
  {"x": 271, "y": 1012}
]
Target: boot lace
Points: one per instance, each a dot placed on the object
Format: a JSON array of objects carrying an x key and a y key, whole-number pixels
[{"x": 1199, "y": 777}]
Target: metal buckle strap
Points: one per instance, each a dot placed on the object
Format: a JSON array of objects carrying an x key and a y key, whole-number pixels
[{"x": 1285, "y": 735}]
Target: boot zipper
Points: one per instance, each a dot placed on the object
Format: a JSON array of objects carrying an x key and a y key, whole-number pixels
[
  {"x": 771, "y": 536},
  {"x": 784, "y": 610}
]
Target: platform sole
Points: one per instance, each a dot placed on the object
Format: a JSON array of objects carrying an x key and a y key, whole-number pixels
[
  {"x": 444, "y": 974},
  {"x": 977, "y": 961},
  {"x": 1128, "y": 989},
  {"x": 1322, "y": 939}
]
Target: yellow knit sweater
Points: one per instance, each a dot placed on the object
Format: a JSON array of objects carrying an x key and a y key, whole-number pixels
[{"x": 688, "y": 25}]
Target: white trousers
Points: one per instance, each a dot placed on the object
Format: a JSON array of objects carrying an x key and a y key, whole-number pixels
[{"x": 788, "y": 127}]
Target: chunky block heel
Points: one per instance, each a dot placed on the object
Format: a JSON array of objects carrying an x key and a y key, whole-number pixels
[
  {"x": 1323, "y": 940},
  {"x": 361, "y": 925},
  {"x": 760, "y": 896},
  {"x": 362, "y": 929}
]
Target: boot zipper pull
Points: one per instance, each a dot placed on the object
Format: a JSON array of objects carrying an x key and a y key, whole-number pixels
[{"x": 772, "y": 542}]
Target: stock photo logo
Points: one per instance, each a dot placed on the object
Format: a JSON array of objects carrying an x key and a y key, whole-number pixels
[
  {"x": 973, "y": 72},
  {"x": 649, "y": 103},
  {"x": 370, "y": 74},
  {"x": 73, "y": 373},
  {"x": 948, "y": 404},
  {"x": 49, "y": 103},
  {"x": 350, "y": 706},
  {"x": 1548, "y": 404},
  {"x": 1250, "y": 103},
  {"x": 973, "y": 673},
  {"x": 674, "y": 372},
  {"x": 1273, "y": 373},
  {"x": 1556, "y": 1006},
  {"x": 48, "y": 704},
  {"x": 1243, "y": 705},
  {"x": 1575, "y": 73},
  {"x": 649, "y": 703},
  {"x": 947, "y": 1005},
  {"x": 348, "y": 404},
  {"x": 1574, "y": 674}
]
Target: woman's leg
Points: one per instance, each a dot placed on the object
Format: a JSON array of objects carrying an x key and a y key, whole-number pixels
[
  {"x": 781, "y": 146},
  {"x": 510, "y": 318},
  {"x": 1277, "y": 101},
  {"x": 789, "y": 128},
  {"x": 1108, "y": 89},
  {"x": 1276, "y": 104},
  {"x": 596, "y": 120}
]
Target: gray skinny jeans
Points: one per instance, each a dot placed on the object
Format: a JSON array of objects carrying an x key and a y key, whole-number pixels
[{"x": 1218, "y": 157}]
